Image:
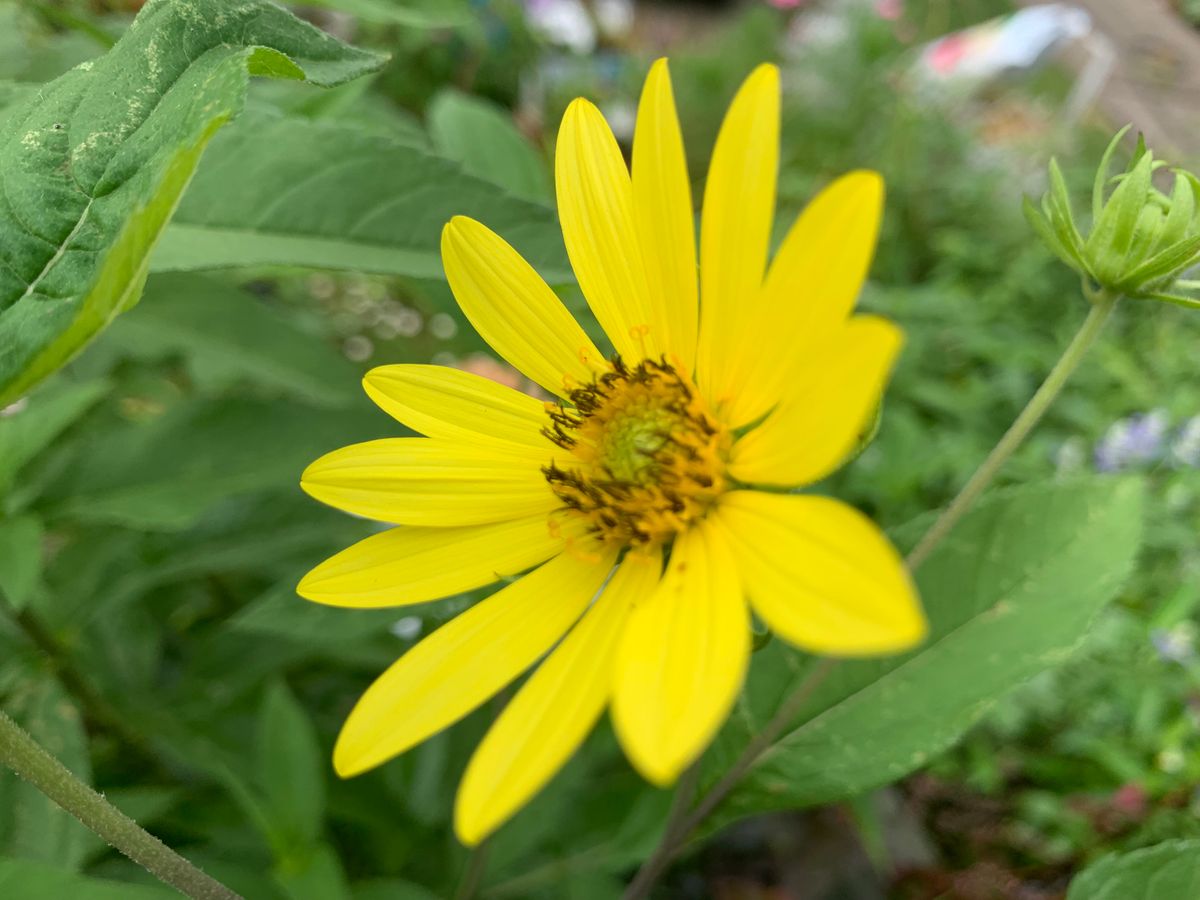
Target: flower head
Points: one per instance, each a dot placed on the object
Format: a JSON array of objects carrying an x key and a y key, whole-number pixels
[
  {"x": 1142, "y": 240},
  {"x": 646, "y": 505}
]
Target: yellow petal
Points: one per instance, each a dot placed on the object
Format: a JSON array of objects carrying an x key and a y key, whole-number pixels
[
  {"x": 413, "y": 565},
  {"x": 682, "y": 659},
  {"x": 514, "y": 310},
  {"x": 821, "y": 574},
  {"x": 422, "y": 481},
  {"x": 553, "y": 712},
  {"x": 735, "y": 229},
  {"x": 666, "y": 225},
  {"x": 822, "y": 417},
  {"x": 467, "y": 660},
  {"x": 810, "y": 290},
  {"x": 449, "y": 404},
  {"x": 595, "y": 205}
]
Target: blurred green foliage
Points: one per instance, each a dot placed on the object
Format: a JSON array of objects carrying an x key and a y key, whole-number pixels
[{"x": 152, "y": 529}]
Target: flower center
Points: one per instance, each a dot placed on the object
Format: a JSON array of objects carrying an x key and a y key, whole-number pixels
[{"x": 648, "y": 457}]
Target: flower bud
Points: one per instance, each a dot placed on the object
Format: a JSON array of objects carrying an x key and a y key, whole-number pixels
[{"x": 1142, "y": 240}]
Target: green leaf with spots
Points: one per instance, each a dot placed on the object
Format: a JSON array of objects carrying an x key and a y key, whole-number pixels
[
  {"x": 1010, "y": 592},
  {"x": 93, "y": 164},
  {"x": 1167, "y": 871}
]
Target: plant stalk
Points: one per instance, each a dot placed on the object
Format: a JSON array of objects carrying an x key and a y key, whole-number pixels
[
  {"x": 23, "y": 755},
  {"x": 1102, "y": 306},
  {"x": 674, "y": 838}
]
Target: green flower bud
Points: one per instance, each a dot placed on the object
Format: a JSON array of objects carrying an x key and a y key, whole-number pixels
[{"x": 1142, "y": 240}]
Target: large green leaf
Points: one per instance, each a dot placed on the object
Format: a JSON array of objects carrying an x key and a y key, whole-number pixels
[
  {"x": 1010, "y": 593},
  {"x": 291, "y": 771},
  {"x": 24, "y": 880},
  {"x": 483, "y": 137},
  {"x": 166, "y": 473},
  {"x": 409, "y": 13},
  {"x": 228, "y": 337},
  {"x": 32, "y": 826},
  {"x": 94, "y": 163},
  {"x": 30, "y": 427},
  {"x": 341, "y": 198},
  {"x": 20, "y": 559},
  {"x": 1167, "y": 871}
]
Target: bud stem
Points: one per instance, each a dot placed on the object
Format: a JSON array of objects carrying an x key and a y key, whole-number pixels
[
  {"x": 1103, "y": 302},
  {"x": 23, "y": 755}
]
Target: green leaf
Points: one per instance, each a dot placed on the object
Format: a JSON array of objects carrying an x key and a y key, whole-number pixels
[
  {"x": 20, "y": 559},
  {"x": 37, "y": 828},
  {"x": 31, "y": 426},
  {"x": 410, "y": 13},
  {"x": 226, "y": 337},
  {"x": 1102, "y": 174},
  {"x": 24, "y": 880},
  {"x": 317, "y": 875},
  {"x": 482, "y": 137},
  {"x": 291, "y": 771},
  {"x": 1167, "y": 871},
  {"x": 341, "y": 198},
  {"x": 95, "y": 162},
  {"x": 1008, "y": 594},
  {"x": 392, "y": 889},
  {"x": 164, "y": 474}
]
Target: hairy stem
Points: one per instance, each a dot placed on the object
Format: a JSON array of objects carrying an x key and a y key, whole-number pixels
[
  {"x": 673, "y": 839},
  {"x": 25, "y": 757}
]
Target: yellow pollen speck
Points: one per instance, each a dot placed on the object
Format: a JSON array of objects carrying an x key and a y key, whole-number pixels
[{"x": 647, "y": 457}]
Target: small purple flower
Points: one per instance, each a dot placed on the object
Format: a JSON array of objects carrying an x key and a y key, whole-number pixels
[
  {"x": 1132, "y": 441},
  {"x": 1177, "y": 644}
]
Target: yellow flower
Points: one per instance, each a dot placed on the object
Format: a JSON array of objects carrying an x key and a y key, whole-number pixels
[{"x": 635, "y": 497}]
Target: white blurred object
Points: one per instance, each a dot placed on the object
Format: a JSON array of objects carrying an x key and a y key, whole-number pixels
[
  {"x": 965, "y": 60},
  {"x": 1009, "y": 43},
  {"x": 568, "y": 23}
]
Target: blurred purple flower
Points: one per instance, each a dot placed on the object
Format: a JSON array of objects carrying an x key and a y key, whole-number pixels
[{"x": 1131, "y": 441}]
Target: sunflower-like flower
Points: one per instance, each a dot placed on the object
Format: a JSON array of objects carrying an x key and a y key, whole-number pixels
[{"x": 638, "y": 519}]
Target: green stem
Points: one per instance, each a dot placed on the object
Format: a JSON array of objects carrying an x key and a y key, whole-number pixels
[
  {"x": 654, "y": 867},
  {"x": 673, "y": 839},
  {"x": 23, "y": 755},
  {"x": 1102, "y": 307},
  {"x": 473, "y": 875}
]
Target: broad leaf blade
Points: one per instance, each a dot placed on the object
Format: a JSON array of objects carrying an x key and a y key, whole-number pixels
[
  {"x": 1010, "y": 593},
  {"x": 93, "y": 164},
  {"x": 341, "y": 198},
  {"x": 1163, "y": 872}
]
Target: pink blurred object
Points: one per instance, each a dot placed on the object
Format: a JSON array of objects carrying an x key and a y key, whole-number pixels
[
  {"x": 787, "y": 4},
  {"x": 891, "y": 10}
]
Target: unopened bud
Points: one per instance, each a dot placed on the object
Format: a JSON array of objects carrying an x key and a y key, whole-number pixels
[{"x": 1142, "y": 240}]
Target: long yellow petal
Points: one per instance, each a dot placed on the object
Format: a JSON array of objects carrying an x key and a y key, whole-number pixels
[
  {"x": 826, "y": 410},
  {"x": 467, "y": 660},
  {"x": 422, "y": 481},
  {"x": 821, "y": 574},
  {"x": 666, "y": 224},
  {"x": 595, "y": 205},
  {"x": 810, "y": 290},
  {"x": 514, "y": 310},
  {"x": 554, "y": 711},
  {"x": 682, "y": 659},
  {"x": 450, "y": 404},
  {"x": 413, "y": 565},
  {"x": 735, "y": 229}
]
